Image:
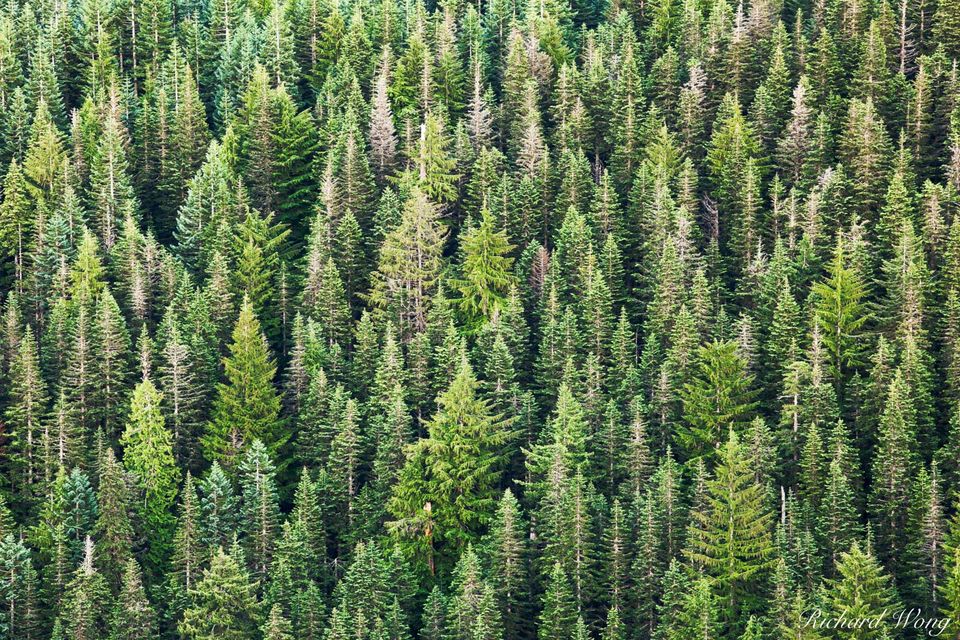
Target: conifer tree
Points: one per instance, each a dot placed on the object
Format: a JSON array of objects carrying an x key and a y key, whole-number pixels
[
  {"x": 894, "y": 464},
  {"x": 148, "y": 456},
  {"x": 732, "y": 537},
  {"x": 114, "y": 529},
  {"x": 247, "y": 406},
  {"x": 409, "y": 265},
  {"x": 277, "y": 627},
  {"x": 450, "y": 479},
  {"x": 18, "y": 590},
  {"x": 16, "y": 225},
  {"x": 486, "y": 275},
  {"x": 187, "y": 553},
  {"x": 558, "y": 616},
  {"x": 223, "y": 603},
  {"x": 25, "y": 411},
  {"x": 718, "y": 399},
  {"x": 260, "y": 509},
  {"x": 471, "y": 610},
  {"x": 133, "y": 615},
  {"x": 85, "y": 602},
  {"x": 841, "y": 315},
  {"x": 861, "y": 590}
]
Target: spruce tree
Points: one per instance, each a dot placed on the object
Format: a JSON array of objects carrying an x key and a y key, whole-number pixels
[{"x": 114, "y": 529}]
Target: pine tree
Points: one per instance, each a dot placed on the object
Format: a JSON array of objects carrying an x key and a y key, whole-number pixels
[
  {"x": 434, "y": 166},
  {"x": 16, "y": 226},
  {"x": 114, "y": 529},
  {"x": 507, "y": 549},
  {"x": 111, "y": 343},
  {"x": 219, "y": 507},
  {"x": 946, "y": 28},
  {"x": 85, "y": 601},
  {"x": 697, "y": 614},
  {"x": 182, "y": 391},
  {"x": 110, "y": 185},
  {"x": 472, "y": 612},
  {"x": 841, "y": 316},
  {"x": 894, "y": 464},
  {"x": 409, "y": 265},
  {"x": 18, "y": 590},
  {"x": 277, "y": 627},
  {"x": 25, "y": 411},
  {"x": 383, "y": 137},
  {"x": 185, "y": 559}
]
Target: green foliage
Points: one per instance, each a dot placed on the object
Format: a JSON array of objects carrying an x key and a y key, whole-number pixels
[
  {"x": 718, "y": 399},
  {"x": 447, "y": 489},
  {"x": 486, "y": 276},
  {"x": 247, "y": 407},
  {"x": 494, "y": 320},
  {"x": 148, "y": 456},
  {"x": 223, "y": 604},
  {"x": 731, "y": 538}
]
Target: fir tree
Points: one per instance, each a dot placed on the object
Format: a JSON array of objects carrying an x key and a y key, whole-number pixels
[
  {"x": 133, "y": 616},
  {"x": 148, "y": 456},
  {"x": 223, "y": 604},
  {"x": 718, "y": 399},
  {"x": 260, "y": 511},
  {"x": 450, "y": 479},
  {"x": 247, "y": 406},
  {"x": 486, "y": 271},
  {"x": 861, "y": 590},
  {"x": 732, "y": 537}
]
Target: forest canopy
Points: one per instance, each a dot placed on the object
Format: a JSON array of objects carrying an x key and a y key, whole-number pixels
[{"x": 493, "y": 320}]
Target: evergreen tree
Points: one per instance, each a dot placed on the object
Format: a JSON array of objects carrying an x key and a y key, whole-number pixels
[
  {"x": 447, "y": 489},
  {"x": 861, "y": 590},
  {"x": 486, "y": 271},
  {"x": 148, "y": 456},
  {"x": 731, "y": 538},
  {"x": 558, "y": 615},
  {"x": 18, "y": 589},
  {"x": 260, "y": 511},
  {"x": 247, "y": 406},
  {"x": 841, "y": 316},
  {"x": 223, "y": 604},
  {"x": 133, "y": 616},
  {"x": 718, "y": 399},
  {"x": 85, "y": 601},
  {"x": 114, "y": 528}
]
